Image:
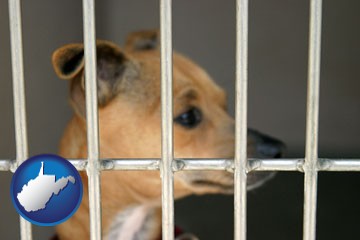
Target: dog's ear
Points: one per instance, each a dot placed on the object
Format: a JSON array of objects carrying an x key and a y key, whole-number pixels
[
  {"x": 68, "y": 60},
  {"x": 114, "y": 71},
  {"x": 143, "y": 40}
]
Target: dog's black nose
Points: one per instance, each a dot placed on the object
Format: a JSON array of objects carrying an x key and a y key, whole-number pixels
[
  {"x": 267, "y": 146},
  {"x": 271, "y": 147}
]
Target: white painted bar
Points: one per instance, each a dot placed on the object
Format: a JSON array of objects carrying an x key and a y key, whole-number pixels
[
  {"x": 225, "y": 164},
  {"x": 17, "y": 62},
  {"x": 202, "y": 164},
  {"x": 275, "y": 164},
  {"x": 130, "y": 164},
  {"x": 93, "y": 165},
  {"x": 240, "y": 190},
  {"x": 167, "y": 176},
  {"x": 339, "y": 165},
  {"x": 312, "y": 122}
]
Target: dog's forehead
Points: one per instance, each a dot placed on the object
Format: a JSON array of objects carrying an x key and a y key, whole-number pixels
[
  {"x": 189, "y": 75},
  {"x": 190, "y": 80}
]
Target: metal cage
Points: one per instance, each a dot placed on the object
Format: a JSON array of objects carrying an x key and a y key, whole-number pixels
[{"x": 167, "y": 165}]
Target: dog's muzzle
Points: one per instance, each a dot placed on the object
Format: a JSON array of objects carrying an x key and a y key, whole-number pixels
[{"x": 262, "y": 146}]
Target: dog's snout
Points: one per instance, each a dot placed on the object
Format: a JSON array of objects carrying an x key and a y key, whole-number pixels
[
  {"x": 267, "y": 146},
  {"x": 271, "y": 147},
  {"x": 262, "y": 146}
]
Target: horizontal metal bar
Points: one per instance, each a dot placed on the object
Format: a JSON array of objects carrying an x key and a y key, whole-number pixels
[
  {"x": 6, "y": 165},
  {"x": 216, "y": 164},
  {"x": 276, "y": 165},
  {"x": 339, "y": 165},
  {"x": 203, "y": 164},
  {"x": 130, "y": 164}
]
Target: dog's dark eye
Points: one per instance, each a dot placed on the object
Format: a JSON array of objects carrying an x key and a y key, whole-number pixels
[{"x": 190, "y": 118}]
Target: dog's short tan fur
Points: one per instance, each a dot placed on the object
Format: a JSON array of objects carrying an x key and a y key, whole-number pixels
[{"x": 129, "y": 122}]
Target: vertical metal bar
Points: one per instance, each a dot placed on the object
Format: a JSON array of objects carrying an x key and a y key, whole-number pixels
[
  {"x": 92, "y": 119},
  {"x": 167, "y": 121},
  {"x": 311, "y": 155},
  {"x": 240, "y": 176},
  {"x": 19, "y": 96}
]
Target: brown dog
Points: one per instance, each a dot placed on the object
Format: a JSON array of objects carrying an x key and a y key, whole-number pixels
[{"x": 129, "y": 122}]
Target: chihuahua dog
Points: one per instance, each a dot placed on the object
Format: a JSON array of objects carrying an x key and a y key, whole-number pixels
[{"x": 128, "y": 86}]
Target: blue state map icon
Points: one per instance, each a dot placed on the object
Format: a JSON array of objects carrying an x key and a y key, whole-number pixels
[{"x": 46, "y": 190}]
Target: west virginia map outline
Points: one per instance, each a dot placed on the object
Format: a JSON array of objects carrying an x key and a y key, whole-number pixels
[{"x": 35, "y": 194}]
